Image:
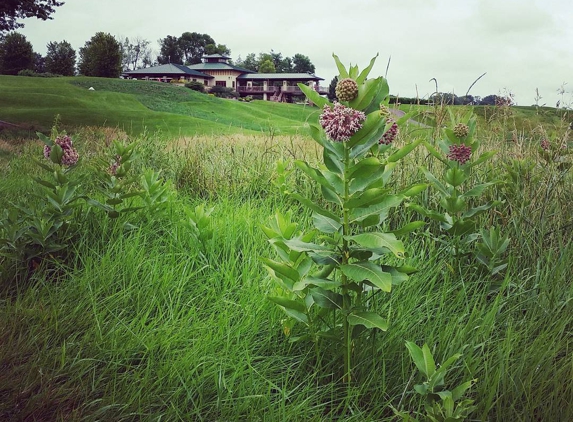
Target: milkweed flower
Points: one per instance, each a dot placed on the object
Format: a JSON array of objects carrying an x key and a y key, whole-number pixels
[
  {"x": 346, "y": 89},
  {"x": 70, "y": 155},
  {"x": 115, "y": 165},
  {"x": 390, "y": 134},
  {"x": 460, "y": 153},
  {"x": 341, "y": 122},
  {"x": 545, "y": 144},
  {"x": 461, "y": 130}
]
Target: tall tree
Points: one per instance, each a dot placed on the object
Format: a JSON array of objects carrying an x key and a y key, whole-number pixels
[
  {"x": 61, "y": 58},
  {"x": 302, "y": 64},
  {"x": 101, "y": 56},
  {"x": 193, "y": 45},
  {"x": 250, "y": 62},
  {"x": 171, "y": 51},
  {"x": 133, "y": 52},
  {"x": 39, "y": 63},
  {"x": 217, "y": 49},
  {"x": 12, "y": 10},
  {"x": 16, "y": 54},
  {"x": 267, "y": 67},
  {"x": 332, "y": 89}
]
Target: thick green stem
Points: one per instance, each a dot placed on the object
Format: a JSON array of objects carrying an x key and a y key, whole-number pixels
[{"x": 346, "y": 304}]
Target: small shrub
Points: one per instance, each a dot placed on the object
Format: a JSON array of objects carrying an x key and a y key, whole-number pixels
[
  {"x": 223, "y": 92},
  {"x": 195, "y": 86}
]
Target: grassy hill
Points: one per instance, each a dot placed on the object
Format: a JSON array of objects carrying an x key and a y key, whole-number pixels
[{"x": 135, "y": 106}]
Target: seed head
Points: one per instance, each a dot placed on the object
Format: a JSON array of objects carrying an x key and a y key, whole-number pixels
[
  {"x": 460, "y": 153},
  {"x": 346, "y": 89},
  {"x": 461, "y": 130},
  {"x": 341, "y": 122}
]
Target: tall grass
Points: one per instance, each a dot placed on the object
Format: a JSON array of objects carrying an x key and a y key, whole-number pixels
[{"x": 148, "y": 324}]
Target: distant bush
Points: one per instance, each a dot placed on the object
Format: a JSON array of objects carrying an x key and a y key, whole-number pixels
[
  {"x": 195, "y": 86},
  {"x": 223, "y": 92},
  {"x": 29, "y": 72},
  {"x": 246, "y": 99}
]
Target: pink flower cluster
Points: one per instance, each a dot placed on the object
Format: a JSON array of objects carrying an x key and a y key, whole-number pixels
[
  {"x": 115, "y": 165},
  {"x": 545, "y": 144},
  {"x": 390, "y": 134},
  {"x": 460, "y": 153},
  {"x": 70, "y": 154},
  {"x": 341, "y": 122}
]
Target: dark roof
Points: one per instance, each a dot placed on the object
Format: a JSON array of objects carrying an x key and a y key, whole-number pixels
[
  {"x": 282, "y": 76},
  {"x": 218, "y": 66},
  {"x": 167, "y": 69}
]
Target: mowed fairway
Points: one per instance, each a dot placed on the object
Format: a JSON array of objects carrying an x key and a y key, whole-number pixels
[{"x": 138, "y": 106}]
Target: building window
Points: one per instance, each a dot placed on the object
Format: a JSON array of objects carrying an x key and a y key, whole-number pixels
[{"x": 221, "y": 83}]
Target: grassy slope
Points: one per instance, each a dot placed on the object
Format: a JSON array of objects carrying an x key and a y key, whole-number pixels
[{"x": 135, "y": 106}]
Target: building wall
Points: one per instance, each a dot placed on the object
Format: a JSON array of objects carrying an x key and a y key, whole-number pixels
[{"x": 228, "y": 76}]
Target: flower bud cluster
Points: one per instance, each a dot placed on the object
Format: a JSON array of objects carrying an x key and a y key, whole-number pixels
[
  {"x": 461, "y": 130},
  {"x": 390, "y": 134},
  {"x": 346, "y": 89},
  {"x": 341, "y": 122},
  {"x": 545, "y": 145},
  {"x": 70, "y": 155},
  {"x": 460, "y": 153},
  {"x": 115, "y": 165}
]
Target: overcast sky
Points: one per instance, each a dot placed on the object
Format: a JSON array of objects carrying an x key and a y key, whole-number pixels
[{"x": 521, "y": 44}]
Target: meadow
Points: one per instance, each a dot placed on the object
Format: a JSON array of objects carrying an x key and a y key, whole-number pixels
[{"x": 161, "y": 312}]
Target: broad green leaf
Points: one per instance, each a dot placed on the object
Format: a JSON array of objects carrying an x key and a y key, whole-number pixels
[
  {"x": 435, "y": 182},
  {"x": 414, "y": 190},
  {"x": 484, "y": 157},
  {"x": 478, "y": 190},
  {"x": 405, "y": 150},
  {"x": 373, "y": 127},
  {"x": 353, "y": 72},
  {"x": 282, "y": 271},
  {"x": 367, "y": 319},
  {"x": 408, "y": 228},
  {"x": 362, "y": 271},
  {"x": 364, "y": 74},
  {"x": 323, "y": 283},
  {"x": 422, "y": 358},
  {"x": 288, "y": 303},
  {"x": 301, "y": 246},
  {"x": 326, "y": 298},
  {"x": 434, "y": 215},
  {"x": 316, "y": 208},
  {"x": 382, "y": 208},
  {"x": 325, "y": 224},
  {"x": 314, "y": 96},
  {"x": 45, "y": 139},
  {"x": 459, "y": 391},
  {"x": 455, "y": 176},
  {"x": 364, "y": 168},
  {"x": 478, "y": 210},
  {"x": 368, "y": 92},
  {"x": 313, "y": 173},
  {"x": 341, "y": 69},
  {"x": 367, "y": 198},
  {"x": 377, "y": 241}
]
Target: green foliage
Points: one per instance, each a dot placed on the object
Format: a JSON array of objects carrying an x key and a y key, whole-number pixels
[
  {"x": 195, "y": 86},
  {"x": 16, "y": 54},
  {"x": 267, "y": 66},
  {"x": 101, "y": 57},
  {"x": 11, "y": 11},
  {"x": 61, "y": 58},
  {"x": 458, "y": 212},
  {"x": 440, "y": 404},
  {"x": 331, "y": 276},
  {"x": 223, "y": 92}
]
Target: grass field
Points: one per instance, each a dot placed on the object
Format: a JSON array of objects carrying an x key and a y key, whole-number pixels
[{"x": 138, "y": 318}]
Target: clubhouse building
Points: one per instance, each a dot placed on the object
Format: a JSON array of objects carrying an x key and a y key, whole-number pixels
[{"x": 215, "y": 70}]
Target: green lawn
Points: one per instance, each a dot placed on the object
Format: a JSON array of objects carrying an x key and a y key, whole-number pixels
[{"x": 136, "y": 106}]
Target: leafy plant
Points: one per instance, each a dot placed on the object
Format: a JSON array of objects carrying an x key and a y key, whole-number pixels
[
  {"x": 458, "y": 214},
  {"x": 440, "y": 404},
  {"x": 331, "y": 277}
]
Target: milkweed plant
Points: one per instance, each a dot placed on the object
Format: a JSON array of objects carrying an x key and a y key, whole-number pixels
[{"x": 330, "y": 277}]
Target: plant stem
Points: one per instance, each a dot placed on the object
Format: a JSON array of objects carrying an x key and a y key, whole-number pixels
[{"x": 346, "y": 302}]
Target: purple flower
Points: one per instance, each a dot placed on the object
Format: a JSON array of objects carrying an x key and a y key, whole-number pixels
[
  {"x": 115, "y": 165},
  {"x": 545, "y": 144},
  {"x": 390, "y": 134},
  {"x": 70, "y": 155},
  {"x": 341, "y": 122},
  {"x": 460, "y": 153}
]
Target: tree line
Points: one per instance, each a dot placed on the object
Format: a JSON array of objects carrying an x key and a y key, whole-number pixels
[{"x": 105, "y": 55}]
